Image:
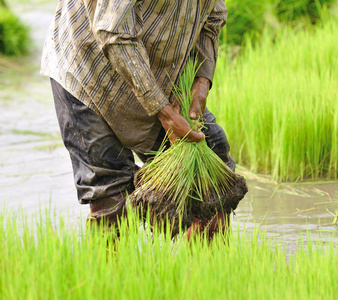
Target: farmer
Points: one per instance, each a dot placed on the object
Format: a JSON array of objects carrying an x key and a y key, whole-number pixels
[{"x": 112, "y": 64}]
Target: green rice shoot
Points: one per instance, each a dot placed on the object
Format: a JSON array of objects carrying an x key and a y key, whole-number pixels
[{"x": 47, "y": 259}]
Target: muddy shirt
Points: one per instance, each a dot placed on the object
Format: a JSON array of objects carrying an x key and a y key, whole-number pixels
[{"x": 120, "y": 57}]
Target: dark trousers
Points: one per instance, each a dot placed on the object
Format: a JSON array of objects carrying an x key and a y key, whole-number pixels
[{"x": 103, "y": 168}]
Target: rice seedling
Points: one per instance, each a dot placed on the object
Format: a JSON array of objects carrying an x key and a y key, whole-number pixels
[
  {"x": 334, "y": 215},
  {"x": 187, "y": 180},
  {"x": 40, "y": 260},
  {"x": 278, "y": 104}
]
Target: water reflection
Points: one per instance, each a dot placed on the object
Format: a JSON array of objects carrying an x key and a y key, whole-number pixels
[{"x": 288, "y": 212}]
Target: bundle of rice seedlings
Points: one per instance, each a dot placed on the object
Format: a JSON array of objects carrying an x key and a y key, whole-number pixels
[{"x": 186, "y": 180}]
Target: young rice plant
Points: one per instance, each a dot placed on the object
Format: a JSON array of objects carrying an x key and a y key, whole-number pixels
[
  {"x": 39, "y": 260},
  {"x": 278, "y": 104}
]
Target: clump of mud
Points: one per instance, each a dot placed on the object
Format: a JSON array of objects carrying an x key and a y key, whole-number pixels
[
  {"x": 162, "y": 209},
  {"x": 226, "y": 202}
]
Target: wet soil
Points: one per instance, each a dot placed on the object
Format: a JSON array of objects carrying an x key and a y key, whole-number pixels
[{"x": 35, "y": 169}]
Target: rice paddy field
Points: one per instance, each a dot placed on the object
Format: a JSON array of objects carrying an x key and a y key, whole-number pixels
[
  {"x": 43, "y": 261},
  {"x": 278, "y": 103}
]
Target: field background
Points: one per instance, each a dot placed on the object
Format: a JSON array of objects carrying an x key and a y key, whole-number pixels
[
  {"x": 278, "y": 103},
  {"x": 274, "y": 88},
  {"x": 274, "y": 93}
]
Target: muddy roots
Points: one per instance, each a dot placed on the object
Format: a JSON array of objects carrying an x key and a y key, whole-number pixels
[
  {"x": 161, "y": 209},
  {"x": 226, "y": 202}
]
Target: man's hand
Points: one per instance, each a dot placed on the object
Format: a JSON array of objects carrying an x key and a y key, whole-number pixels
[
  {"x": 176, "y": 126},
  {"x": 200, "y": 89}
]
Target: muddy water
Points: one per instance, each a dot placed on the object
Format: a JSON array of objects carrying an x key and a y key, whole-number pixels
[
  {"x": 290, "y": 213},
  {"x": 35, "y": 170}
]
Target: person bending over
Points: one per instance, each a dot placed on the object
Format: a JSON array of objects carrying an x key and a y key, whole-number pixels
[{"x": 112, "y": 64}]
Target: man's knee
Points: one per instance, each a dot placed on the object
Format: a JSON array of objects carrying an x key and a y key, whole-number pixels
[{"x": 102, "y": 166}]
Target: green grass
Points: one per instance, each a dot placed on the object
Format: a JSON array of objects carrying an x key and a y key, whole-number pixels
[
  {"x": 42, "y": 261},
  {"x": 278, "y": 104}
]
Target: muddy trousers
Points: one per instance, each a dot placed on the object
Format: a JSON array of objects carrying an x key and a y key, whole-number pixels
[{"x": 103, "y": 168}]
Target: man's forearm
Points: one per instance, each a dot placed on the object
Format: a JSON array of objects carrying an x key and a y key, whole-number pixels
[
  {"x": 200, "y": 90},
  {"x": 116, "y": 34},
  {"x": 206, "y": 46},
  {"x": 133, "y": 66}
]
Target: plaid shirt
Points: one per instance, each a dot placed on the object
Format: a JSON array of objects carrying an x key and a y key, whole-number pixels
[{"x": 120, "y": 57}]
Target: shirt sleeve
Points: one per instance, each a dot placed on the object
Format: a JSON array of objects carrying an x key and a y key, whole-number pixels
[
  {"x": 117, "y": 25},
  {"x": 206, "y": 46}
]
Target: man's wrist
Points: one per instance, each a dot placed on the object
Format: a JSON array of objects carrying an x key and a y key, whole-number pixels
[
  {"x": 165, "y": 112},
  {"x": 204, "y": 81}
]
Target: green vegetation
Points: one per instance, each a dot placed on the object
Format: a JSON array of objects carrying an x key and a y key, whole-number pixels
[
  {"x": 250, "y": 18},
  {"x": 14, "y": 35},
  {"x": 38, "y": 261},
  {"x": 335, "y": 216},
  {"x": 291, "y": 10},
  {"x": 3, "y": 3},
  {"x": 280, "y": 110},
  {"x": 278, "y": 104}
]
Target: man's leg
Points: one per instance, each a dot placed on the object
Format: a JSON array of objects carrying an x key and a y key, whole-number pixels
[
  {"x": 103, "y": 168},
  {"x": 217, "y": 140},
  {"x": 218, "y": 223}
]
